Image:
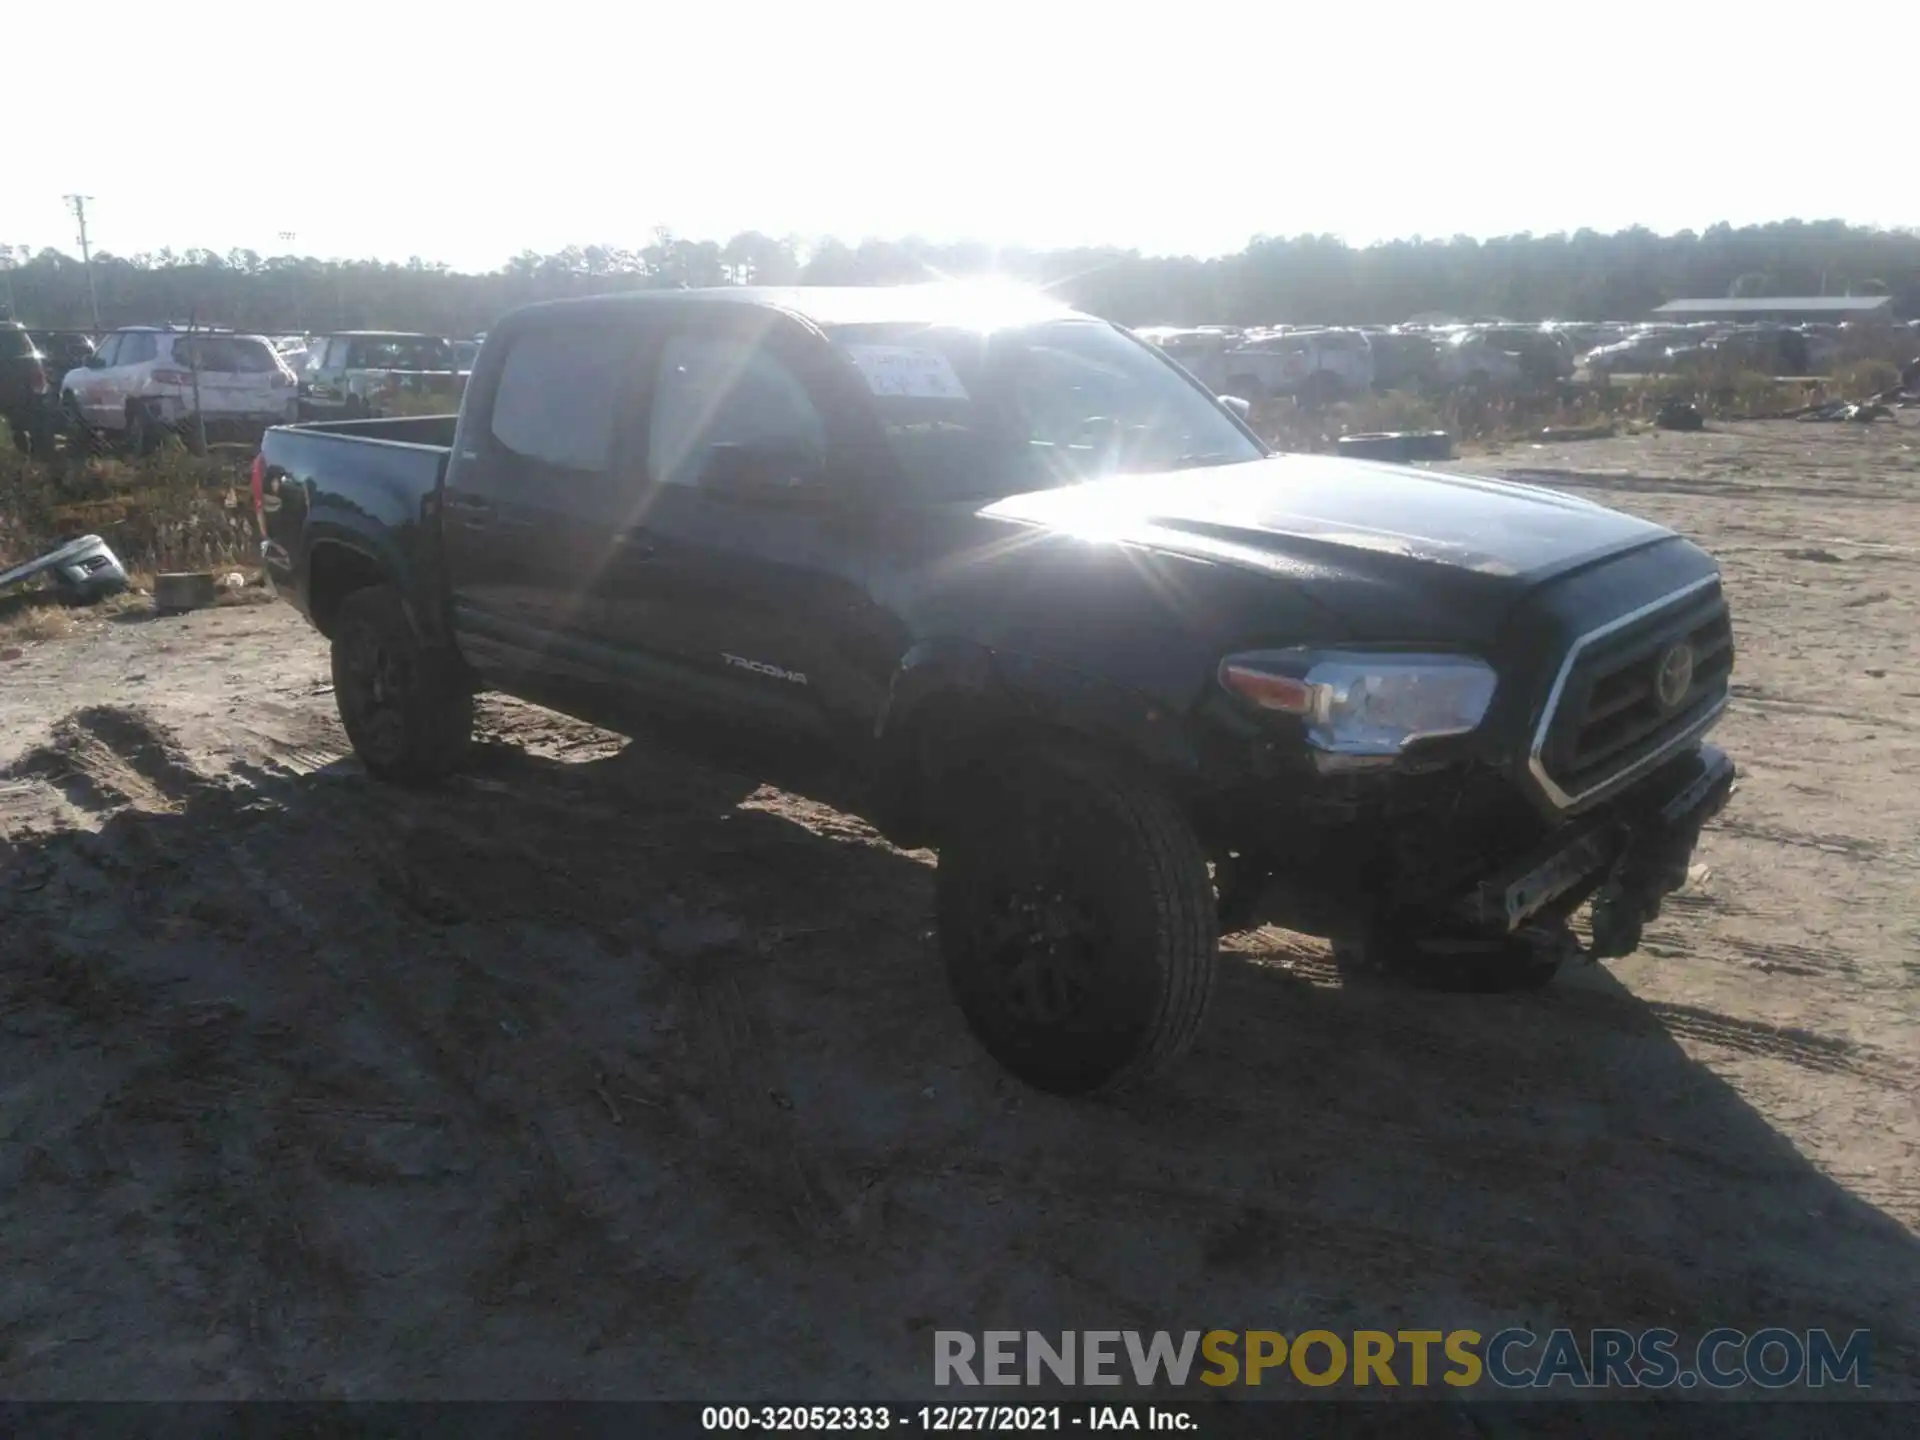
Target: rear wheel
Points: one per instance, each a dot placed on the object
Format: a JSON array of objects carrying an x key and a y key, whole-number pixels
[
  {"x": 144, "y": 433},
  {"x": 406, "y": 706},
  {"x": 1077, "y": 921}
]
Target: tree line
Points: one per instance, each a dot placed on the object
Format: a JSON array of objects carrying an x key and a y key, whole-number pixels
[{"x": 1303, "y": 279}]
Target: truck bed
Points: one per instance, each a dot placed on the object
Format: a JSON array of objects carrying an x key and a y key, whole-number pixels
[
  {"x": 353, "y": 492},
  {"x": 435, "y": 430}
]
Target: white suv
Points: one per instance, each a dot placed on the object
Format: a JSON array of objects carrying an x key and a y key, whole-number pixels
[{"x": 143, "y": 382}]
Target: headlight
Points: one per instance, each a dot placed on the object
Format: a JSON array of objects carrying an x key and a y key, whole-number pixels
[{"x": 1354, "y": 703}]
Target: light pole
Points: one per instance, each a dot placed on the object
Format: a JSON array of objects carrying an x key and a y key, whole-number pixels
[{"x": 79, "y": 204}]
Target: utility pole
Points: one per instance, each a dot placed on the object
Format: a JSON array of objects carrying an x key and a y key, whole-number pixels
[{"x": 79, "y": 204}]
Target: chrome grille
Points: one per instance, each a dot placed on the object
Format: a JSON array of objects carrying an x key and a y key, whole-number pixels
[{"x": 1610, "y": 716}]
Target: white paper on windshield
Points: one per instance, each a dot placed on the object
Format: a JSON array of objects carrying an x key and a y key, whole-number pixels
[{"x": 904, "y": 370}]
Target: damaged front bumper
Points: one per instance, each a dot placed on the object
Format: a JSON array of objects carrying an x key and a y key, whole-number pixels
[{"x": 1627, "y": 860}]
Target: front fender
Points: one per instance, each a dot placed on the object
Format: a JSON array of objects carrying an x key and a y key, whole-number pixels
[{"x": 945, "y": 693}]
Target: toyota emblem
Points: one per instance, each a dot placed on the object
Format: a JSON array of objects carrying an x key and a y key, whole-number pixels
[{"x": 1675, "y": 676}]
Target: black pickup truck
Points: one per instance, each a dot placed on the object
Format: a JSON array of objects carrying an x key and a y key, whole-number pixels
[{"x": 1139, "y": 679}]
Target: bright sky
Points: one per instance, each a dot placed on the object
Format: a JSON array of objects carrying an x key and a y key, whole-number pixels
[{"x": 468, "y": 132}]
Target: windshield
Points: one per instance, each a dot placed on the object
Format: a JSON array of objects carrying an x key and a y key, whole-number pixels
[{"x": 973, "y": 415}]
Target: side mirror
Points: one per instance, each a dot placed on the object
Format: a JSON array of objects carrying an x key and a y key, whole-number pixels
[
  {"x": 94, "y": 362},
  {"x": 762, "y": 474},
  {"x": 1241, "y": 407}
]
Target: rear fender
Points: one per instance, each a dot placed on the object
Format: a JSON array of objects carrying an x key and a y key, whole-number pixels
[{"x": 371, "y": 555}]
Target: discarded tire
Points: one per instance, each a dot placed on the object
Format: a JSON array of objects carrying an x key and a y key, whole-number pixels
[
  {"x": 1398, "y": 445},
  {"x": 183, "y": 590}
]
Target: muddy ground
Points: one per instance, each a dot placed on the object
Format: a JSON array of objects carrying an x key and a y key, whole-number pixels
[{"x": 613, "y": 1071}]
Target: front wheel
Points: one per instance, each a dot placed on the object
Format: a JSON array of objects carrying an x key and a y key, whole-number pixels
[
  {"x": 405, "y": 705},
  {"x": 1077, "y": 921}
]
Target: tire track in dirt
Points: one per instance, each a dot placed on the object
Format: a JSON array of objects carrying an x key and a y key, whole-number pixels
[
  {"x": 107, "y": 758},
  {"x": 1804, "y": 1049},
  {"x": 1771, "y": 956}
]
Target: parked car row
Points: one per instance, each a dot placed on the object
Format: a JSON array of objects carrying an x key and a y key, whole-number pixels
[
  {"x": 1318, "y": 363},
  {"x": 141, "y": 382}
]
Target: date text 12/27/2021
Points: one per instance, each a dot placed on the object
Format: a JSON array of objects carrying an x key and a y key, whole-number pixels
[{"x": 943, "y": 1419}]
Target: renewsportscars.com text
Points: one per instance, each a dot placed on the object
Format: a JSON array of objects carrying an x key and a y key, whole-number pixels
[{"x": 1721, "y": 1359}]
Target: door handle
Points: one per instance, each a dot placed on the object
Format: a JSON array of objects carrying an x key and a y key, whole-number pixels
[{"x": 473, "y": 512}]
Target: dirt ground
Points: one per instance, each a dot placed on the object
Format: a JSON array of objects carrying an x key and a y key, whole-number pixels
[{"x": 610, "y": 1071}]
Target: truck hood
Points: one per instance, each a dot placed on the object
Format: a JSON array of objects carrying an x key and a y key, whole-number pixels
[{"x": 1394, "y": 550}]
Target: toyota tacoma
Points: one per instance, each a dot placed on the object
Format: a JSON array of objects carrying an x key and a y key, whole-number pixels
[{"x": 1138, "y": 679}]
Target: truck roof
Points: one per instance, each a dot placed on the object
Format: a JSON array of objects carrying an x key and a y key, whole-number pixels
[{"x": 961, "y": 303}]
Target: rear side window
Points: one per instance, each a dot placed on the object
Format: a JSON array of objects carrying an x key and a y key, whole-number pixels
[
  {"x": 558, "y": 400},
  {"x": 221, "y": 355}
]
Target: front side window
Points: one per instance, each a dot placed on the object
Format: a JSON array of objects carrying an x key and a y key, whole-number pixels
[
  {"x": 715, "y": 390},
  {"x": 559, "y": 395},
  {"x": 982, "y": 414},
  {"x": 137, "y": 349}
]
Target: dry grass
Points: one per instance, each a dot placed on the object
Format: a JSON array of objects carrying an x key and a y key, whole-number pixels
[
  {"x": 30, "y": 619},
  {"x": 170, "y": 511}
]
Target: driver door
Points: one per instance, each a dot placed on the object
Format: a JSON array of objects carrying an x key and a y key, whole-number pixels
[{"x": 752, "y": 605}]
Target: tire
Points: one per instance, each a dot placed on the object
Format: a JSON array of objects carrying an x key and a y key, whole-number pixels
[
  {"x": 144, "y": 433},
  {"x": 406, "y": 707},
  {"x": 72, "y": 420},
  {"x": 1077, "y": 922}
]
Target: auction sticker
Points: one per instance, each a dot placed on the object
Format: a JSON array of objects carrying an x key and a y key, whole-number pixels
[{"x": 906, "y": 371}]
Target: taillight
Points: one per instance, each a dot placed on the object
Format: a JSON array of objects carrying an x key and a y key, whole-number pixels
[{"x": 259, "y": 478}]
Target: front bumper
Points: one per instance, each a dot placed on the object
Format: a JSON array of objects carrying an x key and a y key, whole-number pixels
[{"x": 1627, "y": 859}]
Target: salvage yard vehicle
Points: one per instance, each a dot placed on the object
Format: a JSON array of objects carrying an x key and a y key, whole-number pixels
[
  {"x": 1317, "y": 366},
  {"x": 361, "y": 373},
  {"x": 25, "y": 399},
  {"x": 1137, "y": 678},
  {"x": 63, "y": 350},
  {"x": 144, "y": 382}
]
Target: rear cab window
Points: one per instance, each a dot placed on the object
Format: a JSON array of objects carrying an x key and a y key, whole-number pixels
[{"x": 560, "y": 395}]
